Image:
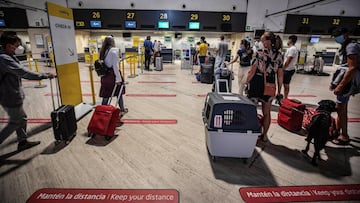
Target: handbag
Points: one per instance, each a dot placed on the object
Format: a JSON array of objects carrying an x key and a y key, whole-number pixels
[{"x": 269, "y": 88}]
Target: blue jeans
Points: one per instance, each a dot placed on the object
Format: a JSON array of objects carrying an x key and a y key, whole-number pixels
[
  {"x": 17, "y": 122},
  {"x": 219, "y": 62}
]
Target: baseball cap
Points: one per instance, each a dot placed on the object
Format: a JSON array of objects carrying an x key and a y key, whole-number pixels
[{"x": 339, "y": 31}]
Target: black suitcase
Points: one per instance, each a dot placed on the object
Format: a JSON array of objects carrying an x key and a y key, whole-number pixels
[
  {"x": 207, "y": 73},
  {"x": 212, "y": 61},
  {"x": 63, "y": 120},
  {"x": 64, "y": 123}
]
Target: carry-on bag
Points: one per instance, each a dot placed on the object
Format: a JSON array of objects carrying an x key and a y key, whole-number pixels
[
  {"x": 63, "y": 120},
  {"x": 291, "y": 113},
  {"x": 158, "y": 63},
  {"x": 222, "y": 74},
  {"x": 104, "y": 118},
  {"x": 231, "y": 125},
  {"x": 207, "y": 73}
]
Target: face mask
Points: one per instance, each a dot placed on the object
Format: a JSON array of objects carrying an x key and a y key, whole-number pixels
[
  {"x": 19, "y": 50},
  {"x": 261, "y": 46},
  {"x": 340, "y": 39}
]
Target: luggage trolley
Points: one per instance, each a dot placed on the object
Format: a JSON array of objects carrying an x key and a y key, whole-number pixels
[
  {"x": 223, "y": 80},
  {"x": 231, "y": 125}
]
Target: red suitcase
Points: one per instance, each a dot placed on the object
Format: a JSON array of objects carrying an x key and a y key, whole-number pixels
[
  {"x": 104, "y": 119},
  {"x": 291, "y": 113}
]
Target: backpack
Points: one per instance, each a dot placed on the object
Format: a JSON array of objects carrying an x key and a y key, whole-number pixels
[
  {"x": 353, "y": 87},
  {"x": 245, "y": 58},
  {"x": 147, "y": 47},
  {"x": 100, "y": 67},
  {"x": 354, "y": 84}
]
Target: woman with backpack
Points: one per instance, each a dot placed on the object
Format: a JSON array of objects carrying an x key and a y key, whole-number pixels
[
  {"x": 267, "y": 69},
  {"x": 110, "y": 54}
]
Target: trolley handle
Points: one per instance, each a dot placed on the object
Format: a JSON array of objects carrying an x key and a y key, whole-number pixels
[
  {"x": 52, "y": 92},
  {"x": 113, "y": 93}
]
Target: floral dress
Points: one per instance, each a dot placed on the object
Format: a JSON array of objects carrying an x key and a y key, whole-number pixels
[{"x": 268, "y": 61}]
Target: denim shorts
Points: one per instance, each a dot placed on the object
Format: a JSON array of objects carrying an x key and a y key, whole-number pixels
[{"x": 342, "y": 99}]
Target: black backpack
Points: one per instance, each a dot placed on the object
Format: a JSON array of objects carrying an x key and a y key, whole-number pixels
[{"x": 100, "y": 67}]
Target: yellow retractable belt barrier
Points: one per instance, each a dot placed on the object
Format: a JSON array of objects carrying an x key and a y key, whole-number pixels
[
  {"x": 51, "y": 54},
  {"x": 30, "y": 64},
  {"x": 132, "y": 61},
  {"x": 122, "y": 68},
  {"x": 92, "y": 80},
  {"x": 40, "y": 85}
]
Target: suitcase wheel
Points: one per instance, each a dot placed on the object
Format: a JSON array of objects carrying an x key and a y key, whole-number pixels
[
  {"x": 213, "y": 158},
  {"x": 108, "y": 138},
  {"x": 92, "y": 135}
]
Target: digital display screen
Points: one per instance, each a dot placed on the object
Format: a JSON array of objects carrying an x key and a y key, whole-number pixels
[
  {"x": 259, "y": 32},
  {"x": 314, "y": 39},
  {"x": 2, "y": 23},
  {"x": 194, "y": 25},
  {"x": 163, "y": 25},
  {"x": 130, "y": 24},
  {"x": 95, "y": 23}
]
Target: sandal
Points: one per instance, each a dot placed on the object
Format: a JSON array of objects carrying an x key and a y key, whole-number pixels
[
  {"x": 263, "y": 138},
  {"x": 341, "y": 140}
]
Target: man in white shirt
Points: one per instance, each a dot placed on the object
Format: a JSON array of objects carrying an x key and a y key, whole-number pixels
[{"x": 291, "y": 57}]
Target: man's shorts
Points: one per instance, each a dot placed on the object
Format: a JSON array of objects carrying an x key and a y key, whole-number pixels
[
  {"x": 342, "y": 99},
  {"x": 287, "y": 76}
]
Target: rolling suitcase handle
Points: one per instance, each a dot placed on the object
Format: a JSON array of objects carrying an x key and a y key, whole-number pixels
[
  {"x": 52, "y": 93},
  {"x": 53, "y": 102},
  {"x": 113, "y": 93}
]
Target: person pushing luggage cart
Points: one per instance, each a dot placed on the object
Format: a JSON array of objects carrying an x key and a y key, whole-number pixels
[{"x": 222, "y": 75}]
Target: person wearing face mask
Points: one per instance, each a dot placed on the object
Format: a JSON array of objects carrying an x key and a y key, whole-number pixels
[
  {"x": 350, "y": 55},
  {"x": 266, "y": 64},
  {"x": 245, "y": 53},
  {"x": 11, "y": 92},
  {"x": 19, "y": 50},
  {"x": 291, "y": 57},
  {"x": 258, "y": 45}
]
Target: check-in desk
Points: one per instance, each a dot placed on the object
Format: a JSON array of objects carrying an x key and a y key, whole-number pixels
[{"x": 167, "y": 55}]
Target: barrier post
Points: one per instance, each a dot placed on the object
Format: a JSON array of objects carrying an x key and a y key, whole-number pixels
[
  {"x": 30, "y": 64},
  {"x": 141, "y": 56},
  {"x": 132, "y": 67},
  {"x": 40, "y": 85},
  {"x": 52, "y": 59},
  {"x": 191, "y": 64},
  {"x": 92, "y": 80},
  {"x": 122, "y": 68}
]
